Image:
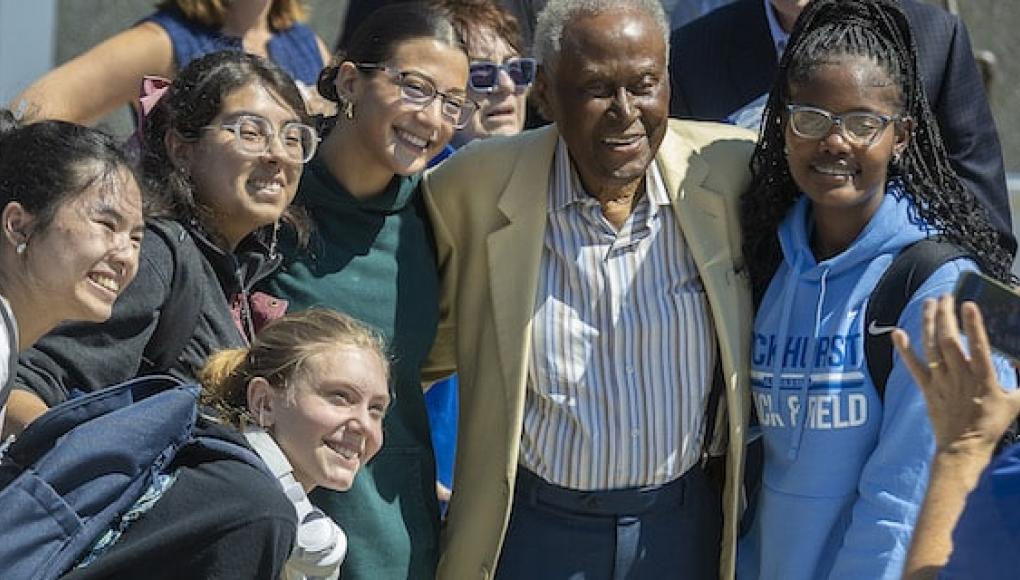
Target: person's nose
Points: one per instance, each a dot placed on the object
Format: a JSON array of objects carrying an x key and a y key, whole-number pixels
[
  {"x": 622, "y": 104},
  {"x": 275, "y": 151},
  {"x": 836, "y": 140},
  {"x": 432, "y": 113},
  {"x": 124, "y": 254},
  {"x": 504, "y": 84}
]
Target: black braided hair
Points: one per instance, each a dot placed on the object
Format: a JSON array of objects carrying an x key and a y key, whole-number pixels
[{"x": 877, "y": 30}]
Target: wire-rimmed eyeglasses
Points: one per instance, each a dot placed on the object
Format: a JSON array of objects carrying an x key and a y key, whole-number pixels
[{"x": 419, "y": 90}]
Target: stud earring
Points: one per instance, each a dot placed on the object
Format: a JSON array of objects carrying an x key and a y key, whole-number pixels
[
  {"x": 348, "y": 109},
  {"x": 21, "y": 247}
]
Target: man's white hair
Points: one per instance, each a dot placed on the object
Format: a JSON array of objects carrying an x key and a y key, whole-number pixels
[{"x": 554, "y": 17}]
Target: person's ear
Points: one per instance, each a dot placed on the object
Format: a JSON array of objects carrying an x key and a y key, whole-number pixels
[
  {"x": 17, "y": 224},
  {"x": 261, "y": 401},
  {"x": 348, "y": 77}
]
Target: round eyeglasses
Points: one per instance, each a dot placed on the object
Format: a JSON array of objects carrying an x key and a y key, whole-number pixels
[
  {"x": 483, "y": 76},
  {"x": 254, "y": 135},
  {"x": 419, "y": 90},
  {"x": 859, "y": 128}
]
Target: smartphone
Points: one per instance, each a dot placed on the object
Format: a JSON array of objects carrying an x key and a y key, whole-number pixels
[{"x": 1000, "y": 310}]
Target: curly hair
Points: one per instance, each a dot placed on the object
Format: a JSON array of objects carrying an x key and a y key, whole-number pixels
[
  {"x": 194, "y": 99},
  {"x": 877, "y": 30}
]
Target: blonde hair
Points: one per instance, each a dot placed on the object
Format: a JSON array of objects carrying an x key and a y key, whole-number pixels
[
  {"x": 212, "y": 13},
  {"x": 279, "y": 353}
]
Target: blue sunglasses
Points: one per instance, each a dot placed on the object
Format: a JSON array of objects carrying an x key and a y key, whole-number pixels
[{"x": 485, "y": 75}]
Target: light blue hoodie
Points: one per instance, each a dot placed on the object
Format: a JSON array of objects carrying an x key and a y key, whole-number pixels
[{"x": 844, "y": 474}]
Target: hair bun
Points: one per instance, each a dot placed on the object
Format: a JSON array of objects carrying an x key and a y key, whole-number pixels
[{"x": 326, "y": 83}]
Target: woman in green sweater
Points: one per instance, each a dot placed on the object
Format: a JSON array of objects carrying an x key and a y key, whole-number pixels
[{"x": 401, "y": 93}]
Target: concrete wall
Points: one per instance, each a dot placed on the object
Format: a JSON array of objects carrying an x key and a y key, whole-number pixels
[{"x": 26, "y": 43}]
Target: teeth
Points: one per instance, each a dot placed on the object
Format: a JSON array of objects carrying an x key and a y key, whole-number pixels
[
  {"x": 348, "y": 446},
  {"x": 107, "y": 282},
  {"x": 413, "y": 139},
  {"x": 622, "y": 140},
  {"x": 834, "y": 170},
  {"x": 260, "y": 184}
]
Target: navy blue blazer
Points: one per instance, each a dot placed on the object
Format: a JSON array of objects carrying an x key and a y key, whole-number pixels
[{"x": 726, "y": 59}]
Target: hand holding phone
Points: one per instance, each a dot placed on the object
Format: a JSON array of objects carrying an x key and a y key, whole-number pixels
[{"x": 1000, "y": 309}]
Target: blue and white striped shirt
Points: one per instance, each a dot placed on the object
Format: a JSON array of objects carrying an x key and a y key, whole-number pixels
[{"x": 623, "y": 345}]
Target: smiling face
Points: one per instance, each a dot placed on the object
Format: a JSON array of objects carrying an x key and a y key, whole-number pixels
[
  {"x": 88, "y": 253},
  {"x": 332, "y": 423},
  {"x": 608, "y": 93},
  {"x": 502, "y": 111},
  {"x": 846, "y": 182},
  {"x": 243, "y": 191},
  {"x": 394, "y": 136}
]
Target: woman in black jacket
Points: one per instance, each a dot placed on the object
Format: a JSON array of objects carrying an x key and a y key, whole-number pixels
[{"x": 222, "y": 155}]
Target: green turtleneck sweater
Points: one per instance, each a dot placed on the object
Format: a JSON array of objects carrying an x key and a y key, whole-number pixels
[{"x": 373, "y": 259}]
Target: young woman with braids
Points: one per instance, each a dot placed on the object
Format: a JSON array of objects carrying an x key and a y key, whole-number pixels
[{"x": 849, "y": 170}]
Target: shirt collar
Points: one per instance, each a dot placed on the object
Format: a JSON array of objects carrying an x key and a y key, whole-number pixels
[
  {"x": 779, "y": 36},
  {"x": 567, "y": 188}
]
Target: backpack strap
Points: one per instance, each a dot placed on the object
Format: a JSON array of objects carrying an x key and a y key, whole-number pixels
[
  {"x": 908, "y": 271},
  {"x": 180, "y": 312}
]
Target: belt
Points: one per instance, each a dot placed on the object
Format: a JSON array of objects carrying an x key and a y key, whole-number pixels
[{"x": 615, "y": 502}]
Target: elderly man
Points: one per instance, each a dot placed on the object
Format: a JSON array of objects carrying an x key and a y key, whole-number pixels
[{"x": 592, "y": 285}]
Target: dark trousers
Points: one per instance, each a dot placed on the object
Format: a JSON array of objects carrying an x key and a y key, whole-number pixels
[{"x": 671, "y": 531}]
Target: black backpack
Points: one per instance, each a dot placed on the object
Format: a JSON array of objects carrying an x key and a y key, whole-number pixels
[{"x": 908, "y": 271}]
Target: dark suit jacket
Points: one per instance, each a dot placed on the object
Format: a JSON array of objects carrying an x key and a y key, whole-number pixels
[{"x": 726, "y": 59}]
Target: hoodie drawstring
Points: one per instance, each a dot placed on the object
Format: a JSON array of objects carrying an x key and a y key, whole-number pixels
[{"x": 798, "y": 428}]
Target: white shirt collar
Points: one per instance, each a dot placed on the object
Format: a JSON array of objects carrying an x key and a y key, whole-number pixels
[
  {"x": 779, "y": 36},
  {"x": 567, "y": 187}
]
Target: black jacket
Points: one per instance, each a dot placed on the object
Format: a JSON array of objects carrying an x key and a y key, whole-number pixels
[
  {"x": 221, "y": 519},
  {"x": 726, "y": 59},
  {"x": 88, "y": 356}
]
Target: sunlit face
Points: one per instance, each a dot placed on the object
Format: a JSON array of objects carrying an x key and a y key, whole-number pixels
[
  {"x": 88, "y": 253},
  {"x": 243, "y": 191},
  {"x": 500, "y": 112},
  {"x": 399, "y": 137},
  {"x": 332, "y": 425},
  {"x": 608, "y": 93},
  {"x": 839, "y": 177}
]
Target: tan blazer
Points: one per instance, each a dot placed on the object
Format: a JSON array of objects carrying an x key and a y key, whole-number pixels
[{"x": 488, "y": 205}]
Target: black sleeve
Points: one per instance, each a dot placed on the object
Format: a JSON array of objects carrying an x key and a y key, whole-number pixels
[
  {"x": 968, "y": 130},
  {"x": 87, "y": 355},
  {"x": 221, "y": 519}
]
